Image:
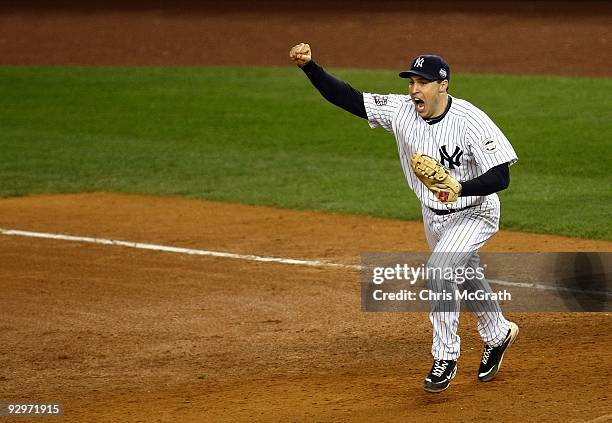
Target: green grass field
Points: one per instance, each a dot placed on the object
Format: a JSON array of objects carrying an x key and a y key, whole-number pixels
[{"x": 265, "y": 136}]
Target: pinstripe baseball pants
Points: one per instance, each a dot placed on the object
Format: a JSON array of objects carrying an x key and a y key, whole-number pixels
[{"x": 455, "y": 240}]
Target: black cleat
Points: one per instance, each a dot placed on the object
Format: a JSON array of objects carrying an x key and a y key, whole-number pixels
[
  {"x": 440, "y": 376},
  {"x": 492, "y": 356}
]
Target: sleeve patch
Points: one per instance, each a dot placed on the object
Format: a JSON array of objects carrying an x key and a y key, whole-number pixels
[
  {"x": 489, "y": 146},
  {"x": 380, "y": 100}
]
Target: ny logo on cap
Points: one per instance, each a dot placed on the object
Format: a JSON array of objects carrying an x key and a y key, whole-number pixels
[{"x": 418, "y": 63}]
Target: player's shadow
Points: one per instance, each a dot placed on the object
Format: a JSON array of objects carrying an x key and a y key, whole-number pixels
[
  {"x": 432, "y": 399},
  {"x": 587, "y": 287}
]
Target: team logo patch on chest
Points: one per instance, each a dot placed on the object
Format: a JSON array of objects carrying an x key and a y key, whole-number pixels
[
  {"x": 380, "y": 100},
  {"x": 451, "y": 160}
]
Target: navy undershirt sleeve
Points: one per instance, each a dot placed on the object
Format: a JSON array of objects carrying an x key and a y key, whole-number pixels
[
  {"x": 495, "y": 179},
  {"x": 334, "y": 90}
]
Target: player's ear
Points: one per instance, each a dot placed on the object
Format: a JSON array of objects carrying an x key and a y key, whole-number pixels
[{"x": 443, "y": 87}]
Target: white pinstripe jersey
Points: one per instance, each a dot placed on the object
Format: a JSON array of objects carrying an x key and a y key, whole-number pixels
[{"x": 465, "y": 141}]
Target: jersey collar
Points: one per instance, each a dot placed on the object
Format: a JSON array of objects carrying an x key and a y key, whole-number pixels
[{"x": 437, "y": 119}]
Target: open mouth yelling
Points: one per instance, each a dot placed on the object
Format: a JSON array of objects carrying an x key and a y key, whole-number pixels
[{"x": 419, "y": 104}]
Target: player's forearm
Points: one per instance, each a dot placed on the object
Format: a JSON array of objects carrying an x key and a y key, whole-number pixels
[
  {"x": 495, "y": 179},
  {"x": 334, "y": 90}
]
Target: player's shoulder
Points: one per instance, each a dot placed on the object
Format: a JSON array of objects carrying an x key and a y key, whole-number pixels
[
  {"x": 466, "y": 110},
  {"x": 463, "y": 107}
]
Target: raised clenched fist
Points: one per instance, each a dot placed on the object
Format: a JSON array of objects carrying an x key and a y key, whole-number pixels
[{"x": 300, "y": 54}]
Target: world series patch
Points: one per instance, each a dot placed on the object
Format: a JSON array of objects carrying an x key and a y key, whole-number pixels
[{"x": 380, "y": 100}]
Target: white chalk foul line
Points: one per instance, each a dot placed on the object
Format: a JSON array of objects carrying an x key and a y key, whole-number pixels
[
  {"x": 250, "y": 257},
  {"x": 179, "y": 250}
]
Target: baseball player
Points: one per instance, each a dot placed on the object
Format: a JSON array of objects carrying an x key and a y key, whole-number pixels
[{"x": 455, "y": 159}]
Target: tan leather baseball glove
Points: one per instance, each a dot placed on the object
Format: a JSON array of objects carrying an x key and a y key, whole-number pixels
[{"x": 436, "y": 178}]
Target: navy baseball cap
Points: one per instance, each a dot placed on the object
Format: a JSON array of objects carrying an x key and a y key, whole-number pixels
[{"x": 428, "y": 66}]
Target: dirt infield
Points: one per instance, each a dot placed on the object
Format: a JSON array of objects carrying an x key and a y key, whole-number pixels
[
  {"x": 126, "y": 335},
  {"x": 118, "y": 334}
]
